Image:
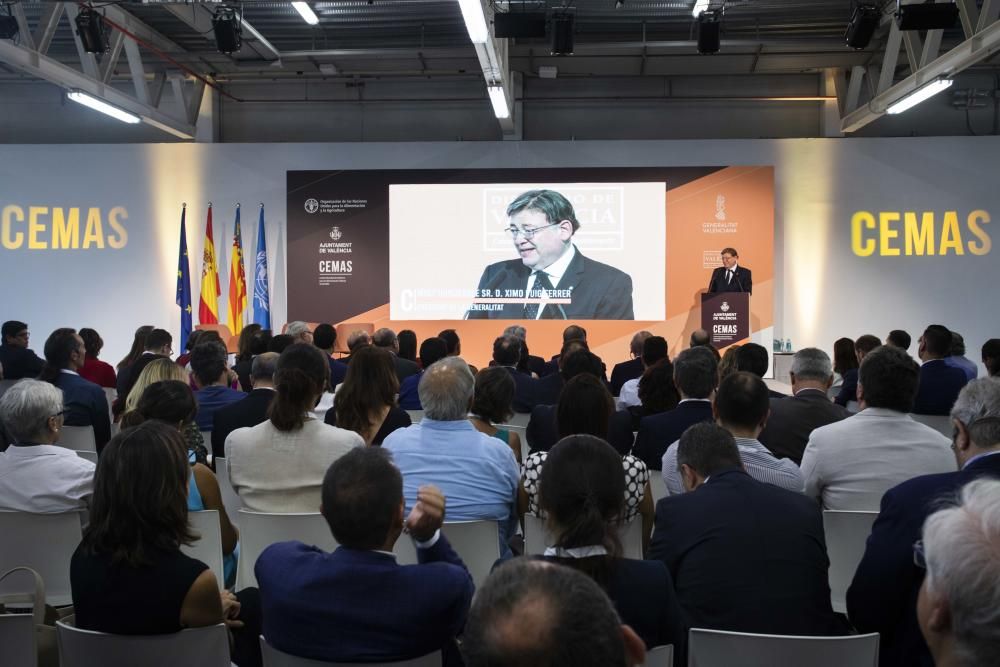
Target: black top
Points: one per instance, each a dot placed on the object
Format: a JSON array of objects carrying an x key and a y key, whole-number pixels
[
  {"x": 19, "y": 362},
  {"x": 657, "y": 432},
  {"x": 123, "y": 600},
  {"x": 623, "y": 372},
  {"x": 543, "y": 431},
  {"x": 397, "y": 418},
  {"x": 242, "y": 370},
  {"x": 245, "y": 413}
]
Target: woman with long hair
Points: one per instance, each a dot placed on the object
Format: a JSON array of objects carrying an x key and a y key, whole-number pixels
[
  {"x": 251, "y": 343},
  {"x": 138, "y": 346},
  {"x": 844, "y": 357},
  {"x": 366, "y": 401},
  {"x": 99, "y": 372},
  {"x": 407, "y": 345},
  {"x": 160, "y": 370},
  {"x": 491, "y": 404}
]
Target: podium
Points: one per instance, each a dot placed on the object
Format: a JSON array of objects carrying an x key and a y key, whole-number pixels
[{"x": 726, "y": 317}]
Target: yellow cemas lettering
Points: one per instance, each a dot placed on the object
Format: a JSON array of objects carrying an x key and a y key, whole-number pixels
[
  {"x": 57, "y": 228},
  {"x": 919, "y": 234}
]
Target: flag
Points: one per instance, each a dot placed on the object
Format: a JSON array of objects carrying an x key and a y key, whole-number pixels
[
  {"x": 237, "y": 281},
  {"x": 208, "y": 309},
  {"x": 184, "y": 283},
  {"x": 261, "y": 294}
]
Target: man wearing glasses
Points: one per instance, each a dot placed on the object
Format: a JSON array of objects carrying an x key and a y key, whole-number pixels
[
  {"x": 16, "y": 359},
  {"x": 551, "y": 279}
]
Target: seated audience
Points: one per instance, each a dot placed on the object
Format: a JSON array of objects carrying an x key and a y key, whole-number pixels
[
  {"x": 991, "y": 357},
  {"x": 17, "y": 360},
  {"x": 845, "y": 370},
  {"x": 366, "y": 402},
  {"x": 491, "y": 404},
  {"x": 300, "y": 332},
  {"x": 325, "y": 338},
  {"x": 94, "y": 370},
  {"x": 252, "y": 409},
  {"x": 477, "y": 473},
  {"x": 35, "y": 474},
  {"x": 138, "y": 346},
  {"x": 753, "y": 358},
  {"x": 128, "y": 576},
  {"x": 431, "y": 350},
  {"x": 161, "y": 370},
  {"x": 727, "y": 518},
  {"x": 251, "y": 343},
  {"x": 657, "y": 394},
  {"x": 654, "y": 350},
  {"x": 939, "y": 382},
  {"x": 85, "y": 403},
  {"x": 184, "y": 359},
  {"x": 742, "y": 406},
  {"x": 809, "y": 407},
  {"x": 278, "y": 465},
  {"x": 631, "y": 369},
  {"x": 156, "y": 344},
  {"x": 848, "y": 390},
  {"x": 956, "y": 357},
  {"x": 208, "y": 367},
  {"x": 883, "y": 596},
  {"x": 507, "y": 354},
  {"x": 547, "y": 388},
  {"x": 583, "y": 506},
  {"x": 387, "y": 340},
  {"x": 695, "y": 375},
  {"x": 898, "y": 338},
  {"x": 533, "y": 364},
  {"x": 727, "y": 364},
  {"x": 849, "y": 464},
  {"x": 699, "y": 338},
  {"x": 408, "y": 345},
  {"x": 572, "y": 332},
  {"x": 530, "y": 613},
  {"x": 280, "y": 343},
  {"x": 451, "y": 339},
  {"x": 357, "y": 604}
]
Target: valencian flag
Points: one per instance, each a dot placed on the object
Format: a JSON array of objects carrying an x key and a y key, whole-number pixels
[
  {"x": 261, "y": 293},
  {"x": 184, "y": 282},
  {"x": 237, "y": 281},
  {"x": 208, "y": 308}
]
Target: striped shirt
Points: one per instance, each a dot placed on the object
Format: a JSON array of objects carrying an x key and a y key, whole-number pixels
[{"x": 757, "y": 459}]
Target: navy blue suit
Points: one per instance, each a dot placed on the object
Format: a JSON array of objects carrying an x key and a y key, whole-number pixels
[
  {"x": 338, "y": 371},
  {"x": 524, "y": 390},
  {"x": 742, "y": 280},
  {"x": 86, "y": 405},
  {"x": 848, "y": 388},
  {"x": 658, "y": 432},
  {"x": 548, "y": 388},
  {"x": 543, "y": 431},
  {"x": 938, "y": 388},
  {"x": 623, "y": 372},
  {"x": 244, "y": 413},
  {"x": 883, "y": 596}
]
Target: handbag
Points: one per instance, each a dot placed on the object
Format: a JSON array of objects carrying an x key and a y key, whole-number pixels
[{"x": 44, "y": 619}]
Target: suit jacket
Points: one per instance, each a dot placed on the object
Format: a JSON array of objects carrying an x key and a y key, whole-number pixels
[
  {"x": 792, "y": 420},
  {"x": 658, "y": 432},
  {"x": 404, "y": 367},
  {"x": 19, "y": 362},
  {"x": 742, "y": 280},
  {"x": 747, "y": 557},
  {"x": 86, "y": 405},
  {"x": 623, "y": 372},
  {"x": 338, "y": 371},
  {"x": 538, "y": 366},
  {"x": 848, "y": 388},
  {"x": 883, "y": 596},
  {"x": 250, "y": 411},
  {"x": 543, "y": 430},
  {"x": 938, "y": 388},
  {"x": 128, "y": 375},
  {"x": 409, "y": 396},
  {"x": 599, "y": 291},
  {"x": 524, "y": 390},
  {"x": 548, "y": 388}
]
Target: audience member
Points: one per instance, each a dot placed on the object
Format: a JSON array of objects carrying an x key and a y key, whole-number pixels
[
  {"x": 184, "y": 359},
  {"x": 548, "y": 388},
  {"x": 849, "y": 464},
  {"x": 366, "y": 402},
  {"x": 278, "y": 465},
  {"x": 727, "y": 518},
  {"x": 162, "y": 370},
  {"x": 631, "y": 369},
  {"x": 534, "y": 364},
  {"x": 654, "y": 350},
  {"x": 325, "y": 338},
  {"x": 431, "y": 350},
  {"x": 899, "y": 338},
  {"x": 753, "y": 358},
  {"x": 695, "y": 375},
  {"x": 408, "y": 345},
  {"x": 883, "y": 596},
  {"x": 572, "y": 332},
  {"x": 506, "y": 354},
  {"x": 956, "y": 357},
  {"x": 35, "y": 474},
  {"x": 300, "y": 332},
  {"x": 845, "y": 370},
  {"x": 657, "y": 394},
  {"x": 477, "y": 472},
  {"x": 491, "y": 404},
  {"x": 84, "y": 403},
  {"x": 450, "y": 337},
  {"x": 530, "y": 613},
  {"x": 138, "y": 346},
  {"x": 17, "y": 360},
  {"x": 208, "y": 367},
  {"x": 991, "y": 357},
  {"x": 251, "y": 343},
  {"x": 357, "y": 604},
  {"x": 387, "y": 340},
  {"x": 939, "y": 383},
  {"x": 727, "y": 365},
  {"x": 699, "y": 338},
  {"x": 251, "y": 410},
  {"x": 849, "y": 388},
  {"x": 94, "y": 370},
  {"x": 280, "y": 343},
  {"x": 809, "y": 407},
  {"x": 157, "y": 345}
]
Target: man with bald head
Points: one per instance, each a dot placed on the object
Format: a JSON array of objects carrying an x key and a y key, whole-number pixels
[
  {"x": 631, "y": 369},
  {"x": 387, "y": 339}
]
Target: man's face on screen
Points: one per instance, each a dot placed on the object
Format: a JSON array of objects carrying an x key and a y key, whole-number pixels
[
  {"x": 729, "y": 261},
  {"x": 546, "y": 245}
]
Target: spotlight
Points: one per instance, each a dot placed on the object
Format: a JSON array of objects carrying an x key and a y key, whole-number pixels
[
  {"x": 90, "y": 28},
  {"x": 562, "y": 35},
  {"x": 938, "y": 16},
  {"x": 860, "y": 29},
  {"x": 709, "y": 25},
  {"x": 228, "y": 31}
]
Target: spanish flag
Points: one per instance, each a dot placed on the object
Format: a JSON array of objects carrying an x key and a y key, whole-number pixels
[
  {"x": 208, "y": 308},
  {"x": 237, "y": 281}
]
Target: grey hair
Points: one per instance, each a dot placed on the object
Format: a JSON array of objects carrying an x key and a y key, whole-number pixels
[
  {"x": 297, "y": 328},
  {"x": 385, "y": 338},
  {"x": 262, "y": 366},
  {"x": 26, "y": 407},
  {"x": 811, "y": 363},
  {"x": 978, "y": 408},
  {"x": 445, "y": 389},
  {"x": 516, "y": 330},
  {"x": 962, "y": 550},
  {"x": 358, "y": 338}
]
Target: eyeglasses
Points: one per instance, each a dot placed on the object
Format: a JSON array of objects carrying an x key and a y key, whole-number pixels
[
  {"x": 919, "y": 559},
  {"x": 529, "y": 234}
]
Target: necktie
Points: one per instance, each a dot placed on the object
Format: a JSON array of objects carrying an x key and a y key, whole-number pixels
[
  {"x": 542, "y": 282},
  {"x": 729, "y": 276}
]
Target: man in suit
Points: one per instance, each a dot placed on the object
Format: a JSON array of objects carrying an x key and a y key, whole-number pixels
[
  {"x": 542, "y": 431},
  {"x": 249, "y": 411},
  {"x": 849, "y": 387},
  {"x": 730, "y": 277},
  {"x": 956, "y": 357},
  {"x": 506, "y": 353},
  {"x": 899, "y": 338},
  {"x": 542, "y": 225},
  {"x": 849, "y": 464},
  {"x": 431, "y": 350},
  {"x": 726, "y": 519},
  {"x": 631, "y": 369},
  {"x": 84, "y": 403},
  {"x": 358, "y": 604},
  {"x": 654, "y": 350},
  {"x": 696, "y": 376},
  {"x": 325, "y": 337},
  {"x": 548, "y": 388},
  {"x": 534, "y": 363},
  {"x": 939, "y": 382},
  {"x": 883, "y": 596},
  {"x": 158, "y": 346},
  {"x": 991, "y": 357},
  {"x": 753, "y": 358},
  {"x": 208, "y": 366},
  {"x": 386, "y": 339},
  {"x": 15, "y": 357},
  {"x": 794, "y": 418}
]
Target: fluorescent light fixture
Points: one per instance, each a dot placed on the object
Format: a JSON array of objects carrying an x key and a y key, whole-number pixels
[
  {"x": 304, "y": 10},
  {"x": 475, "y": 21},
  {"x": 699, "y": 7},
  {"x": 499, "y": 101},
  {"x": 919, "y": 95},
  {"x": 105, "y": 108}
]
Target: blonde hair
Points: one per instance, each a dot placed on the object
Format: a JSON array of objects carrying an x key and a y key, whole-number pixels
[{"x": 155, "y": 371}]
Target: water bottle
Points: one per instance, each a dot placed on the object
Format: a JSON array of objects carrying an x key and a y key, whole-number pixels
[
  {"x": 788, "y": 345},
  {"x": 776, "y": 344}
]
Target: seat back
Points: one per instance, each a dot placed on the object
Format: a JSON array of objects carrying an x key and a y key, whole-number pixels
[
  {"x": 718, "y": 648},
  {"x": 275, "y": 658},
  {"x": 476, "y": 542},
  {"x": 519, "y": 419},
  {"x": 80, "y": 438},
  {"x": 208, "y": 548},
  {"x": 43, "y": 542},
  {"x": 90, "y": 456},
  {"x": 657, "y": 486},
  {"x": 522, "y": 433},
  {"x": 846, "y": 534},
  {"x": 5, "y": 385},
  {"x": 17, "y": 637},
  {"x": 230, "y": 499},
  {"x": 205, "y": 647},
  {"x": 660, "y": 656},
  {"x": 940, "y": 423},
  {"x": 537, "y": 537},
  {"x": 415, "y": 415},
  {"x": 110, "y": 394},
  {"x": 259, "y": 530}
]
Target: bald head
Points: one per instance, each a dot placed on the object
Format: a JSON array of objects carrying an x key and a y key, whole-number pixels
[{"x": 445, "y": 390}]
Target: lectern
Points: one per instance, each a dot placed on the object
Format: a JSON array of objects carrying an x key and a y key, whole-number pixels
[{"x": 726, "y": 317}]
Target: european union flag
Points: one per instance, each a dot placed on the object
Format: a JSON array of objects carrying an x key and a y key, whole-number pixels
[
  {"x": 184, "y": 283},
  {"x": 261, "y": 292}
]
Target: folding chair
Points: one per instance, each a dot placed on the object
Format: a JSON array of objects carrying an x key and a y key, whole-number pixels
[
  {"x": 259, "y": 530},
  {"x": 846, "y": 535},
  {"x": 208, "y": 548},
  {"x": 719, "y": 648},
  {"x": 275, "y": 658},
  {"x": 43, "y": 542},
  {"x": 205, "y": 647}
]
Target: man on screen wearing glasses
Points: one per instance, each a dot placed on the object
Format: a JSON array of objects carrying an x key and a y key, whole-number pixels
[{"x": 551, "y": 268}]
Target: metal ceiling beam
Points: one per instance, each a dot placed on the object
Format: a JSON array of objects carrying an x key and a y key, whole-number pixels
[{"x": 199, "y": 18}]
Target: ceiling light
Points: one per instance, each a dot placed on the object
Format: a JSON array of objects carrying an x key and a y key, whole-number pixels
[
  {"x": 864, "y": 21},
  {"x": 90, "y": 28},
  {"x": 499, "y": 101},
  {"x": 919, "y": 95},
  {"x": 105, "y": 108},
  {"x": 699, "y": 7},
  {"x": 227, "y": 28},
  {"x": 475, "y": 20},
  {"x": 306, "y": 12}
]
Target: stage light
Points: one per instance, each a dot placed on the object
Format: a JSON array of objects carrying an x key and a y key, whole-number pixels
[
  {"x": 708, "y": 32},
  {"x": 699, "y": 7},
  {"x": 938, "y": 16},
  {"x": 862, "y": 25},
  {"x": 90, "y": 28},
  {"x": 562, "y": 35},
  {"x": 499, "y": 101},
  {"x": 306, "y": 12},
  {"x": 86, "y": 100},
  {"x": 475, "y": 20},
  {"x": 227, "y": 28},
  {"x": 919, "y": 95}
]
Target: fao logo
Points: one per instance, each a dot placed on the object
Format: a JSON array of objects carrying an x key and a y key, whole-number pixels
[
  {"x": 335, "y": 233},
  {"x": 724, "y": 307},
  {"x": 312, "y": 206}
]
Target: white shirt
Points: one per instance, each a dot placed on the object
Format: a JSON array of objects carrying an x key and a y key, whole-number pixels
[
  {"x": 555, "y": 272},
  {"x": 757, "y": 460},
  {"x": 44, "y": 479},
  {"x": 731, "y": 276},
  {"x": 629, "y": 395}
]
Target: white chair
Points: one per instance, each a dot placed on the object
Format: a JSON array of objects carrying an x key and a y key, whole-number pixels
[
  {"x": 17, "y": 631},
  {"x": 275, "y": 658},
  {"x": 43, "y": 542},
  {"x": 205, "y": 647},
  {"x": 519, "y": 419},
  {"x": 90, "y": 456},
  {"x": 940, "y": 423},
  {"x": 405, "y": 550},
  {"x": 718, "y": 648},
  {"x": 657, "y": 486},
  {"x": 537, "y": 537},
  {"x": 208, "y": 548},
  {"x": 206, "y": 437},
  {"x": 80, "y": 438},
  {"x": 230, "y": 499},
  {"x": 415, "y": 415},
  {"x": 259, "y": 530},
  {"x": 853, "y": 407},
  {"x": 660, "y": 656},
  {"x": 846, "y": 535},
  {"x": 522, "y": 434},
  {"x": 477, "y": 543},
  {"x": 110, "y": 394}
]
